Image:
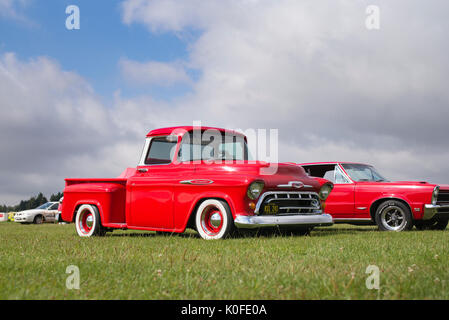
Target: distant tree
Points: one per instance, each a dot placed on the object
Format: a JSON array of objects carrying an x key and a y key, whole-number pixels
[
  {"x": 56, "y": 196},
  {"x": 31, "y": 203}
]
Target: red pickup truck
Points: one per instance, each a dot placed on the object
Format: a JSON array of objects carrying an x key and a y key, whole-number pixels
[{"x": 198, "y": 178}]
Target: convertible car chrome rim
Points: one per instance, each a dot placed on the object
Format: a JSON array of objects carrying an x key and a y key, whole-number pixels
[
  {"x": 86, "y": 221},
  {"x": 211, "y": 220},
  {"x": 393, "y": 218}
]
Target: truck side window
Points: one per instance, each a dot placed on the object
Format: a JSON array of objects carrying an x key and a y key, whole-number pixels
[{"x": 161, "y": 151}]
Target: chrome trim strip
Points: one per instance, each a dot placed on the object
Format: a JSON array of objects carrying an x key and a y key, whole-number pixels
[
  {"x": 268, "y": 193},
  {"x": 250, "y": 222},
  {"x": 352, "y": 219},
  {"x": 192, "y": 181},
  {"x": 362, "y": 208}
]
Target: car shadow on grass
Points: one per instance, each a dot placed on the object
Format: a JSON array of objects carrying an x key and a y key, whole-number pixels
[
  {"x": 260, "y": 233},
  {"x": 151, "y": 234}
]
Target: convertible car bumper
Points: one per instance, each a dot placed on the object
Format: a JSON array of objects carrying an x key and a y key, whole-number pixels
[
  {"x": 430, "y": 210},
  {"x": 249, "y": 222}
]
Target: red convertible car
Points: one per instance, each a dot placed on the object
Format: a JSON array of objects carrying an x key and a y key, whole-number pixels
[
  {"x": 363, "y": 196},
  {"x": 200, "y": 178}
]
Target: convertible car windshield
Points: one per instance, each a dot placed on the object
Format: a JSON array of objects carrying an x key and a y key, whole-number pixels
[{"x": 362, "y": 172}]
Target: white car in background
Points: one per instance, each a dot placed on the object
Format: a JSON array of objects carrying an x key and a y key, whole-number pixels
[{"x": 45, "y": 213}]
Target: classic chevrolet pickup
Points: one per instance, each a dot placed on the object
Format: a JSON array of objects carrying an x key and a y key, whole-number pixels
[{"x": 198, "y": 178}]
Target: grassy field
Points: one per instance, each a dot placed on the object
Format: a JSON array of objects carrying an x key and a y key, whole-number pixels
[{"x": 328, "y": 264}]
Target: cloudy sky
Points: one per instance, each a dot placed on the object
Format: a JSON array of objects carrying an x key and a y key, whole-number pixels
[{"x": 78, "y": 103}]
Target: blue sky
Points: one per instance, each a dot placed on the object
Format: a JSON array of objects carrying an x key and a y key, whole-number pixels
[{"x": 95, "y": 50}]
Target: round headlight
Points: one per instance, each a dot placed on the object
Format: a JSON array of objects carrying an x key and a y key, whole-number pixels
[
  {"x": 325, "y": 191},
  {"x": 436, "y": 190},
  {"x": 255, "y": 189}
]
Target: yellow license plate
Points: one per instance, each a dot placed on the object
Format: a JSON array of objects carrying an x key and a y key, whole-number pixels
[{"x": 271, "y": 208}]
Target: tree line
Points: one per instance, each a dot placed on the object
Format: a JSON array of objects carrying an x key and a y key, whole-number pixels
[{"x": 31, "y": 203}]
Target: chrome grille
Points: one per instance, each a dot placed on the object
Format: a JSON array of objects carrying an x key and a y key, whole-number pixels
[{"x": 289, "y": 202}]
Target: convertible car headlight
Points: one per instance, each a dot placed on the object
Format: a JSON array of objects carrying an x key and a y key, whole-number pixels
[
  {"x": 436, "y": 190},
  {"x": 255, "y": 189},
  {"x": 325, "y": 191}
]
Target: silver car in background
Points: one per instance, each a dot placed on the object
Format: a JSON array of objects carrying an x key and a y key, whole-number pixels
[{"x": 44, "y": 213}]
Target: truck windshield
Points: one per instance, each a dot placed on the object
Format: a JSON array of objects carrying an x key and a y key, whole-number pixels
[
  {"x": 217, "y": 146},
  {"x": 362, "y": 172}
]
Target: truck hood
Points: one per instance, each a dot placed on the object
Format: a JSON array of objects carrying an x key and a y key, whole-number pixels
[{"x": 273, "y": 174}]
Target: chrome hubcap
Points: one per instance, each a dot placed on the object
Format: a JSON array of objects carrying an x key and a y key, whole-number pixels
[
  {"x": 393, "y": 218},
  {"x": 215, "y": 220}
]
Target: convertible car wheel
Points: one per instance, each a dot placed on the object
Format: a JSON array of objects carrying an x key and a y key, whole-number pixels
[
  {"x": 438, "y": 223},
  {"x": 87, "y": 222},
  {"x": 393, "y": 215},
  {"x": 214, "y": 219}
]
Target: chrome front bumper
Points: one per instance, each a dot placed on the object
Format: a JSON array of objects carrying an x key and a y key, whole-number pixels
[
  {"x": 430, "y": 210},
  {"x": 250, "y": 222}
]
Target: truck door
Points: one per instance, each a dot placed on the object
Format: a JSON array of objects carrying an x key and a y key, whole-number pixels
[{"x": 151, "y": 192}]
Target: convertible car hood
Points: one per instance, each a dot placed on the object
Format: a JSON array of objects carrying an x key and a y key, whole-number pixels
[{"x": 444, "y": 187}]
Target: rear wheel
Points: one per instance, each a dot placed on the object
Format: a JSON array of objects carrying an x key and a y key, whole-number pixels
[
  {"x": 393, "y": 215},
  {"x": 436, "y": 223},
  {"x": 213, "y": 219},
  {"x": 88, "y": 222}
]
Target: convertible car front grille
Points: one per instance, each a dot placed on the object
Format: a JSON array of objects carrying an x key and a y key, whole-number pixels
[
  {"x": 443, "y": 197},
  {"x": 288, "y": 203}
]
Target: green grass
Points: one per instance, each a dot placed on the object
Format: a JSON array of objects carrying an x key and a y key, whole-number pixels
[{"x": 329, "y": 264}]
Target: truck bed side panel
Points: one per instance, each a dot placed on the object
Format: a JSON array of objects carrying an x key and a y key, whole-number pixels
[{"x": 109, "y": 196}]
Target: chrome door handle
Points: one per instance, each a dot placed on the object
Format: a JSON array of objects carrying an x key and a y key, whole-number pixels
[{"x": 142, "y": 170}]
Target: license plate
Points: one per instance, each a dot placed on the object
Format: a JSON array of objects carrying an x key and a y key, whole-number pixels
[{"x": 271, "y": 208}]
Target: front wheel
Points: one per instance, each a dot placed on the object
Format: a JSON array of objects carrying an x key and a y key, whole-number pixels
[
  {"x": 436, "y": 223},
  {"x": 213, "y": 219},
  {"x": 88, "y": 222},
  {"x": 38, "y": 219},
  {"x": 393, "y": 215}
]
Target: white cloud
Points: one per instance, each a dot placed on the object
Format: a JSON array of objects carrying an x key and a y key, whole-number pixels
[
  {"x": 53, "y": 126},
  {"x": 13, "y": 9},
  {"x": 313, "y": 70},
  {"x": 154, "y": 72}
]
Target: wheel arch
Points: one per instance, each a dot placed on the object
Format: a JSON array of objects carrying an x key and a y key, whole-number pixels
[
  {"x": 94, "y": 203},
  {"x": 191, "y": 219},
  {"x": 375, "y": 205}
]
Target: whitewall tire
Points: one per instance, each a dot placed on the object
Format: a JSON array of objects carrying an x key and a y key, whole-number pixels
[
  {"x": 88, "y": 222},
  {"x": 214, "y": 219}
]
